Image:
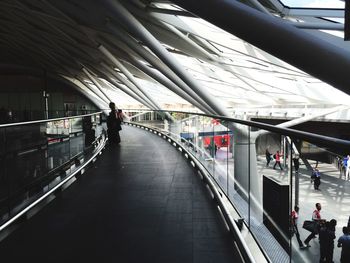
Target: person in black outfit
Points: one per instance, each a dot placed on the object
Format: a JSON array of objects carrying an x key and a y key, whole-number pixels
[
  {"x": 113, "y": 125},
  {"x": 317, "y": 178},
  {"x": 344, "y": 243},
  {"x": 268, "y": 157},
  {"x": 326, "y": 238},
  {"x": 296, "y": 162}
]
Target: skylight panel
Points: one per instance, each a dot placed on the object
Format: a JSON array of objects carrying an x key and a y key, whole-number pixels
[{"x": 314, "y": 3}]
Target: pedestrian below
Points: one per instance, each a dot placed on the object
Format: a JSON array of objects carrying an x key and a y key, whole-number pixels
[
  {"x": 296, "y": 162},
  {"x": 344, "y": 243},
  {"x": 113, "y": 125},
  {"x": 317, "y": 178},
  {"x": 347, "y": 168},
  {"x": 316, "y": 218},
  {"x": 268, "y": 157},
  {"x": 278, "y": 160},
  {"x": 345, "y": 165},
  {"x": 326, "y": 238},
  {"x": 294, "y": 219}
]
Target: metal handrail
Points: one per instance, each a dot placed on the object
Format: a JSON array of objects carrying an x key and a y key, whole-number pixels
[
  {"x": 310, "y": 137},
  {"x": 46, "y": 120}
]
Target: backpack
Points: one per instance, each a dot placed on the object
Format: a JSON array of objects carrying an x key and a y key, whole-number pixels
[{"x": 274, "y": 156}]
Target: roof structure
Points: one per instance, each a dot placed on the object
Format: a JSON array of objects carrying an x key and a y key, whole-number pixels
[{"x": 158, "y": 55}]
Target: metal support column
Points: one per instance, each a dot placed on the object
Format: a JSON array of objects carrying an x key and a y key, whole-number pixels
[
  {"x": 129, "y": 21},
  {"x": 313, "y": 55},
  {"x": 159, "y": 65},
  {"x": 132, "y": 91},
  {"x": 96, "y": 83},
  {"x": 167, "y": 83},
  {"x": 130, "y": 77}
]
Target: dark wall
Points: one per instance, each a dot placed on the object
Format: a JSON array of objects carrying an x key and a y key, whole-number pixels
[{"x": 22, "y": 96}]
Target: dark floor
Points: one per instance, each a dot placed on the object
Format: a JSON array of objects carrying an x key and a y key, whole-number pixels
[{"x": 142, "y": 202}]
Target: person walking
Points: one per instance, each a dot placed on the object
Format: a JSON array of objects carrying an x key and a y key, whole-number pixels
[
  {"x": 316, "y": 218},
  {"x": 113, "y": 125},
  {"x": 316, "y": 178},
  {"x": 344, "y": 243},
  {"x": 278, "y": 160},
  {"x": 268, "y": 157},
  {"x": 294, "y": 222},
  {"x": 296, "y": 162},
  {"x": 347, "y": 167},
  {"x": 326, "y": 239}
]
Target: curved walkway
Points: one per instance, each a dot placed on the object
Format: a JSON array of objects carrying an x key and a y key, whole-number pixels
[{"x": 141, "y": 202}]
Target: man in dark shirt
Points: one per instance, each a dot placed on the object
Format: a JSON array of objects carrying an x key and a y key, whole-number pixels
[
  {"x": 326, "y": 237},
  {"x": 344, "y": 243}
]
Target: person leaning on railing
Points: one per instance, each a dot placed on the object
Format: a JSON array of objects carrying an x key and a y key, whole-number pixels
[{"x": 113, "y": 125}]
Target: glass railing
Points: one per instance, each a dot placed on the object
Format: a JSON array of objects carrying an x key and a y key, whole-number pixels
[
  {"x": 36, "y": 156},
  {"x": 240, "y": 157}
]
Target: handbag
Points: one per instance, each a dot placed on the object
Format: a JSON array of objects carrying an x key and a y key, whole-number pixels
[{"x": 310, "y": 225}]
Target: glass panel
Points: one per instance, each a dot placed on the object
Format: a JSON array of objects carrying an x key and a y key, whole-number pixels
[
  {"x": 57, "y": 133},
  {"x": 189, "y": 133},
  {"x": 221, "y": 153},
  {"x": 36, "y": 157},
  {"x": 238, "y": 185},
  {"x": 206, "y": 134},
  {"x": 314, "y": 4},
  {"x": 76, "y": 137},
  {"x": 89, "y": 130},
  {"x": 230, "y": 161},
  {"x": 297, "y": 232},
  {"x": 270, "y": 193},
  {"x": 76, "y": 125},
  {"x": 25, "y": 162},
  {"x": 4, "y": 180}
]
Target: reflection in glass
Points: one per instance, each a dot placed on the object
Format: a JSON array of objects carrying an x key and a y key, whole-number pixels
[
  {"x": 36, "y": 157},
  {"x": 221, "y": 142}
]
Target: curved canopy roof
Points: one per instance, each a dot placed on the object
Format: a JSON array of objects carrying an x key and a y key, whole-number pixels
[{"x": 155, "y": 54}]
